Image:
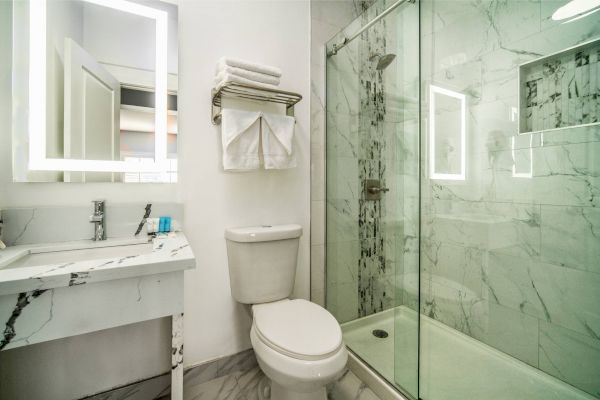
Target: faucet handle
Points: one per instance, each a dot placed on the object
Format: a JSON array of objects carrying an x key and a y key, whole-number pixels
[
  {"x": 98, "y": 206},
  {"x": 96, "y": 217}
]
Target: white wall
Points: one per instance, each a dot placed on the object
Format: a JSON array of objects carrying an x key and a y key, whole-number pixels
[
  {"x": 273, "y": 32},
  {"x": 131, "y": 40},
  {"x": 276, "y": 33}
]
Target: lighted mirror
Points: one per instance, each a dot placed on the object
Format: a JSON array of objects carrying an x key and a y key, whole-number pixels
[
  {"x": 447, "y": 134},
  {"x": 94, "y": 91}
]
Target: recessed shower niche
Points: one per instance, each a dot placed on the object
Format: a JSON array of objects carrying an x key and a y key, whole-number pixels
[{"x": 561, "y": 90}]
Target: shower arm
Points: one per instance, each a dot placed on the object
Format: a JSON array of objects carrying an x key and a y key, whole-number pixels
[{"x": 337, "y": 47}]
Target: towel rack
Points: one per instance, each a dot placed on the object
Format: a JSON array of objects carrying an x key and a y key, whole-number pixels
[{"x": 247, "y": 92}]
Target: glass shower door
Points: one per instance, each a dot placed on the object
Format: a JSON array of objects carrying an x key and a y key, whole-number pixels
[
  {"x": 510, "y": 241},
  {"x": 372, "y": 191}
]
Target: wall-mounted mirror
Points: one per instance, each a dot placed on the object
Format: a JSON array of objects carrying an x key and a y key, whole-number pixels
[
  {"x": 94, "y": 91},
  {"x": 447, "y": 134}
]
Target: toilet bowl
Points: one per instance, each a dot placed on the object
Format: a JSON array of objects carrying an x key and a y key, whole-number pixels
[{"x": 298, "y": 344}]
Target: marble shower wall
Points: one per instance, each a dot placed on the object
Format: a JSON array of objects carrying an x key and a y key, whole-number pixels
[
  {"x": 372, "y": 133},
  {"x": 328, "y": 17},
  {"x": 561, "y": 90},
  {"x": 510, "y": 255}
]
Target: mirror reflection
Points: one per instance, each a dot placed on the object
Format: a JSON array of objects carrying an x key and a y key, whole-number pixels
[{"x": 101, "y": 60}]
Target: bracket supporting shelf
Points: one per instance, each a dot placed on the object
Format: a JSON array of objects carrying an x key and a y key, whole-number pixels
[{"x": 247, "y": 92}]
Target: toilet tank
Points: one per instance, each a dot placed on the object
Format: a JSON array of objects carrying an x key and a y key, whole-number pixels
[{"x": 262, "y": 262}]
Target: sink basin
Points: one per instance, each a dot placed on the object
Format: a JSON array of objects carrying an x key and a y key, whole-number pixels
[{"x": 64, "y": 253}]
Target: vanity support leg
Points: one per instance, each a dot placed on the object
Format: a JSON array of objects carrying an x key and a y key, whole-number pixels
[{"x": 177, "y": 357}]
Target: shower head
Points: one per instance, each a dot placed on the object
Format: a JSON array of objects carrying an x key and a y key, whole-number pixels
[{"x": 382, "y": 60}]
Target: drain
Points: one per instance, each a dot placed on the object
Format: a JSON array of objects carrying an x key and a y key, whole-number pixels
[{"x": 380, "y": 333}]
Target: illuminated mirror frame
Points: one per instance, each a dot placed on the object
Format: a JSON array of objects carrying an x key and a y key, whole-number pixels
[
  {"x": 516, "y": 174},
  {"x": 433, "y": 90},
  {"x": 37, "y": 94}
]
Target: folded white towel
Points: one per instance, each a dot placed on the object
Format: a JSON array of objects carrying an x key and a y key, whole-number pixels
[
  {"x": 277, "y": 141},
  {"x": 240, "y": 133},
  {"x": 242, "y": 73},
  {"x": 248, "y": 65},
  {"x": 228, "y": 78}
]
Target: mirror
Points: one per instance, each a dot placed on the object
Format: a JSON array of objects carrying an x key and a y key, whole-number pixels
[
  {"x": 94, "y": 91},
  {"x": 447, "y": 134}
]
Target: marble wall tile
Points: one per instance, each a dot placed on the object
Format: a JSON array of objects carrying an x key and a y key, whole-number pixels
[
  {"x": 452, "y": 305},
  {"x": 317, "y": 274},
  {"x": 342, "y": 261},
  {"x": 317, "y": 184},
  {"x": 528, "y": 204},
  {"x": 571, "y": 357},
  {"x": 342, "y": 182},
  {"x": 342, "y": 81},
  {"x": 336, "y": 14},
  {"x": 551, "y": 293},
  {"x": 317, "y": 226},
  {"x": 341, "y": 220},
  {"x": 459, "y": 266},
  {"x": 47, "y": 224},
  {"x": 342, "y": 300},
  {"x": 570, "y": 237},
  {"x": 557, "y": 36},
  {"x": 509, "y": 281},
  {"x": 512, "y": 332},
  {"x": 568, "y": 174},
  {"x": 342, "y": 140}
]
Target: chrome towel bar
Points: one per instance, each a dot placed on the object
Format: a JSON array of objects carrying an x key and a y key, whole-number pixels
[{"x": 247, "y": 92}]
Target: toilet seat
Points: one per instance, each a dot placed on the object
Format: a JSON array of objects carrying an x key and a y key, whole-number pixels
[{"x": 298, "y": 329}]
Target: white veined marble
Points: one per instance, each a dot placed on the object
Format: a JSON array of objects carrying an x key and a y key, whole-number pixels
[{"x": 170, "y": 253}]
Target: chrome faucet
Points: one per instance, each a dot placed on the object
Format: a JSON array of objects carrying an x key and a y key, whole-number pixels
[{"x": 98, "y": 218}]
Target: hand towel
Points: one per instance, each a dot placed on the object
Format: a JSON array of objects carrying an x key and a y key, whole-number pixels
[
  {"x": 240, "y": 135},
  {"x": 253, "y": 76},
  {"x": 248, "y": 65},
  {"x": 277, "y": 141},
  {"x": 229, "y": 78}
]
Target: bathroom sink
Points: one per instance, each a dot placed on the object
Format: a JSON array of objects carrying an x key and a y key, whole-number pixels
[{"x": 70, "y": 252}]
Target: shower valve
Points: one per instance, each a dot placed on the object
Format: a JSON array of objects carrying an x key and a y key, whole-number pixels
[{"x": 373, "y": 189}]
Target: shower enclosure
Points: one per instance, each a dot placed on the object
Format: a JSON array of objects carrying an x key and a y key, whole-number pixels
[{"x": 463, "y": 197}]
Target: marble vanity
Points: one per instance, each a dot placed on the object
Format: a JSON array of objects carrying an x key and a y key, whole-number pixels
[{"x": 56, "y": 290}]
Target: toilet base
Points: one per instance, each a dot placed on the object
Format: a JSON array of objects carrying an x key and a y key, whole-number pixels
[{"x": 281, "y": 393}]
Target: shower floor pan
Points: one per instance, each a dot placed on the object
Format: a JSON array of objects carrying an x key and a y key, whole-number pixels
[{"x": 454, "y": 366}]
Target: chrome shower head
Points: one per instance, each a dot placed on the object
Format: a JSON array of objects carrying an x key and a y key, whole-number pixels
[{"x": 383, "y": 60}]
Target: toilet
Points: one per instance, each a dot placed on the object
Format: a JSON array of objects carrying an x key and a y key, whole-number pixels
[{"x": 298, "y": 344}]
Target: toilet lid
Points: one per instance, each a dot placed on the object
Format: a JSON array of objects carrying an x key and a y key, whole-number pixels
[{"x": 298, "y": 328}]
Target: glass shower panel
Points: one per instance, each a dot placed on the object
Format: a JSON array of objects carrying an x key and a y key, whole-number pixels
[
  {"x": 372, "y": 191},
  {"x": 510, "y": 197}
]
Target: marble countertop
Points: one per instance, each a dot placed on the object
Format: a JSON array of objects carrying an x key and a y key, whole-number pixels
[{"x": 169, "y": 253}]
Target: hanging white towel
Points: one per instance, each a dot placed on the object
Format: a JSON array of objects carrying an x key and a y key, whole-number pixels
[
  {"x": 227, "y": 78},
  {"x": 248, "y": 65},
  {"x": 277, "y": 141},
  {"x": 243, "y": 73},
  {"x": 240, "y": 135}
]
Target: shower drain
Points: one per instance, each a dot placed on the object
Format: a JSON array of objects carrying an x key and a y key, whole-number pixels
[{"x": 380, "y": 333}]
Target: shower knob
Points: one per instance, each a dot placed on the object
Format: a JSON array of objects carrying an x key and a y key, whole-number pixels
[
  {"x": 373, "y": 189},
  {"x": 377, "y": 190}
]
